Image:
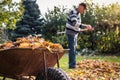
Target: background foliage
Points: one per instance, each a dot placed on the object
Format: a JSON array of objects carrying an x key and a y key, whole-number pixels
[
  {"x": 55, "y": 21},
  {"x": 105, "y": 20},
  {"x": 31, "y": 23},
  {"x": 10, "y": 13}
]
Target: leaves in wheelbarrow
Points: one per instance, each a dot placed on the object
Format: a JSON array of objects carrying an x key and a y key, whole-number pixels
[
  {"x": 32, "y": 42},
  {"x": 96, "y": 70}
]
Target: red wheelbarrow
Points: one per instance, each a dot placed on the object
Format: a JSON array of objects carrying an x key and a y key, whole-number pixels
[{"x": 18, "y": 62}]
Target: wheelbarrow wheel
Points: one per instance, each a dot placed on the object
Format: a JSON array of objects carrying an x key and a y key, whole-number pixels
[{"x": 53, "y": 74}]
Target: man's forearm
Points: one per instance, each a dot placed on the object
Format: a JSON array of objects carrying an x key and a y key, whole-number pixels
[
  {"x": 82, "y": 26},
  {"x": 82, "y": 30}
]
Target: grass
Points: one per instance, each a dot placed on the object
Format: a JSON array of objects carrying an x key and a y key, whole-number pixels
[{"x": 64, "y": 60}]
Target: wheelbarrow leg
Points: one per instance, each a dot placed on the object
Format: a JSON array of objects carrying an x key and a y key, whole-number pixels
[
  {"x": 45, "y": 66},
  {"x": 57, "y": 57},
  {"x": 3, "y": 78}
]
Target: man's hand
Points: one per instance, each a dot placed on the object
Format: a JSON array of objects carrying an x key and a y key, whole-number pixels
[{"x": 89, "y": 27}]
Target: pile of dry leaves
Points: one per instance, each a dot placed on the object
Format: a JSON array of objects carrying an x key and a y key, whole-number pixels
[{"x": 96, "y": 70}]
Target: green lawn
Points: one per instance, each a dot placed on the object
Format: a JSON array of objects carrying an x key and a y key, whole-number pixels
[{"x": 64, "y": 60}]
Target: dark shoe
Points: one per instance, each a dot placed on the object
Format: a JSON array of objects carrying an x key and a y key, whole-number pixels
[{"x": 72, "y": 67}]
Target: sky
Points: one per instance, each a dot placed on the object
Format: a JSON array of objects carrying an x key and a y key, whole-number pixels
[{"x": 45, "y": 4}]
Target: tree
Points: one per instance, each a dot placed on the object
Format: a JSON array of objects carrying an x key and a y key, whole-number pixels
[
  {"x": 108, "y": 25},
  {"x": 106, "y": 21},
  {"x": 10, "y": 13},
  {"x": 31, "y": 22},
  {"x": 55, "y": 22}
]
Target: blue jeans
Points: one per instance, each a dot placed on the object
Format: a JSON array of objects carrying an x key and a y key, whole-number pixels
[{"x": 72, "y": 44}]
